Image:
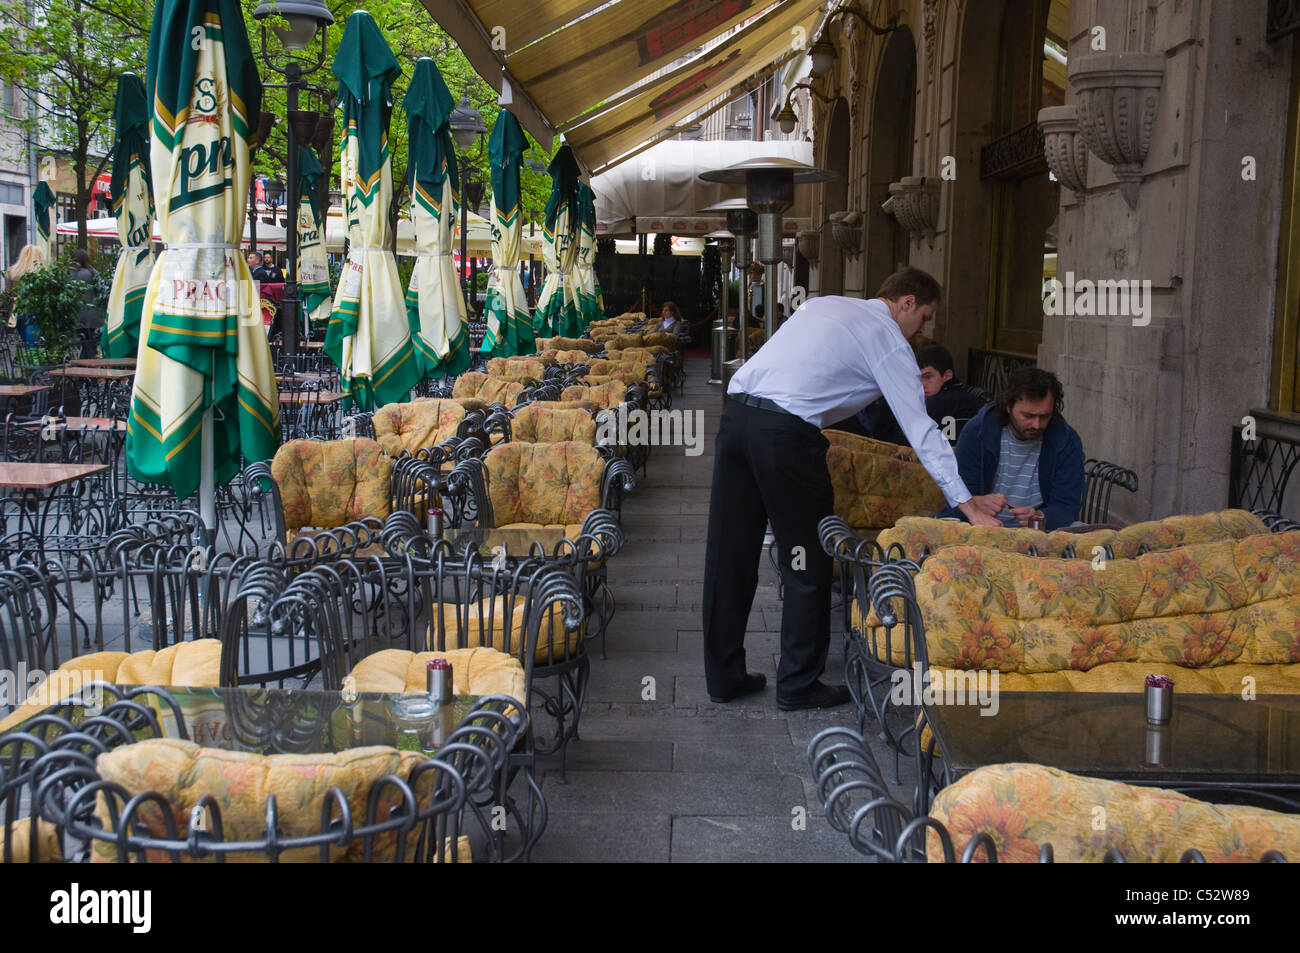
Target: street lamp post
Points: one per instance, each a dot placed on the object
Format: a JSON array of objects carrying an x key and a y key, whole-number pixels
[
  {"x": 306, "y": 19},
  {"x": 466, "y": 129}
]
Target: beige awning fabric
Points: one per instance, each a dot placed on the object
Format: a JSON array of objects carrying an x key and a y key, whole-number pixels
[{"x": 569, "y": 63}]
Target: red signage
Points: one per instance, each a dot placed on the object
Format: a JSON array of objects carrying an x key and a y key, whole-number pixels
[
  {"x": 683, "y": 23},
  {"x": 692, "y": 85}
]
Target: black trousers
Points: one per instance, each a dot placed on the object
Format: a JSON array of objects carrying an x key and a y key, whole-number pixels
[{"x": 768, "y": 466}]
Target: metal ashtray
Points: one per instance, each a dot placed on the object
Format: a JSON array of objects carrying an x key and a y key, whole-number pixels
[{"x": 413, "y": 711}]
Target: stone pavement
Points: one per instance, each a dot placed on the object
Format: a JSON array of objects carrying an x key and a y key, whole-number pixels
[{"x": 680, "y": 778}]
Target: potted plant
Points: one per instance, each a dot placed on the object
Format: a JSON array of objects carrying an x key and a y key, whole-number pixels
[{"x": 54, "y": 301}]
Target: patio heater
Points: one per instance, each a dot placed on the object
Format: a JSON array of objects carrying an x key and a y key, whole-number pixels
[
  {"x": 769, "y": 191},
  {"x": 466, "y": 129},
  {"x": 743, "y": 223},
  {"x": 726, "y": 243}
]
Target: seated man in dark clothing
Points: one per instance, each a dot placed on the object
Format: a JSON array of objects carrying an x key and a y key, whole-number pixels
[
  {"x": 1019, "y": 458},
  {"x": 270, "y": 271},
  {"x": 948, "y": 401}
]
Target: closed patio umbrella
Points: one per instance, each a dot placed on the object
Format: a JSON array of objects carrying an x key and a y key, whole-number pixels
[
  {"x": 42, "y": 202},
  {"x": 591, "y": 305},
  {"x": 313, "y": 270},
  {"x": 557, "y": 306},
  {"x": 205, "y": 399},
  {"x": 509, "y": 326},
  {"x": 131, "y": 191},
  {"x": 435, "y": 307},
  {"x": 368, "y": 335}
]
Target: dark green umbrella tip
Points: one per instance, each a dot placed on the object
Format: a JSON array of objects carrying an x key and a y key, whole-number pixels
[
  {"x": 427, "y": 97},
  {"x": 363, "y": 55},
  {"x": 507, "y": 140}
]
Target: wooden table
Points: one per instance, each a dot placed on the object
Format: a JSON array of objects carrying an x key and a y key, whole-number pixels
[
  {"x": 313, "y": 397},
  {"x": 103, "y": 362},
  {"x": 76, "y": 423},
  {"x": 45, "y": 476},
  {"x": 311, "y": 345},
  {"x": 94, "y": 373},
  {"x": 23, "y": 390}
]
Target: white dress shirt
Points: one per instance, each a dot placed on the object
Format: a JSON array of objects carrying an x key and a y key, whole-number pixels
[{"x": 836, "y": 355}]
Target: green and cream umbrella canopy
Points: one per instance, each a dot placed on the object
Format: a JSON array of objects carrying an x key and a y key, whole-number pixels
[
  {"x": 368, "y": 335},
  {"x": 132, "y": 195},
  {"x": 313, "y": 272},
  {"x": 42, "y": 203},
  {"x": 435, "y": 306},
  {"x": 557, "y": 306},
  {"x": 205, "y": 392},
  {"x": 591, "y": 305},
  {"x": 509, "y": 326}
]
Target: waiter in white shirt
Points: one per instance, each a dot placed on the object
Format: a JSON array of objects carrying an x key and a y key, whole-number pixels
[{"x": 833, "y": 357}]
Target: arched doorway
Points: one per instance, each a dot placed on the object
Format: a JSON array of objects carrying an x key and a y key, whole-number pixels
[
  {"x": 835, "y": 195},
  {"x": 1002, "y": 235},
  {"x": 890, "y": 151}
]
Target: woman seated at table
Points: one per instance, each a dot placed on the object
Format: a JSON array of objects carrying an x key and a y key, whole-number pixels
[{"x": 670, "y": 320}]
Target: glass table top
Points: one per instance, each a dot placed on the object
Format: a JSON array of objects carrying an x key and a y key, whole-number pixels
[
  {"x": 303, "y": 721},
  {"x": 1210, "y": 738}
]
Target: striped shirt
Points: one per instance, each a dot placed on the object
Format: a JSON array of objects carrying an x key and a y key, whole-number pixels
[{"x": 1017, "y": 474}]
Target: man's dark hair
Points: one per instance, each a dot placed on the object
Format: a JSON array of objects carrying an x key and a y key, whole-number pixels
[
  {"x": 81, "y": 257},
  {"x": 936, "y": 356},
  {"x": 1033, "y": 383},
  {"x": 911, "y": 281}
]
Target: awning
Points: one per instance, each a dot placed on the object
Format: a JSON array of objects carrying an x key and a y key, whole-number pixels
[
  {"x": 569, "y": 64},
  {"x": 661, "y": 191}
]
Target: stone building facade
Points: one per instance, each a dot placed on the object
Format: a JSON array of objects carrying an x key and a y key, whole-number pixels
[{"x": 1183, "y": 161}]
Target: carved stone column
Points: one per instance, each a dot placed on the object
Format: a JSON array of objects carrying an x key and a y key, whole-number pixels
[
  {"x": 1064, "y": 148},
  {"x": 1117, "y": 96}
]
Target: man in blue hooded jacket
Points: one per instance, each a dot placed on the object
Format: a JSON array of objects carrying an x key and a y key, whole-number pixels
[{"x": 1019, "y": 458}]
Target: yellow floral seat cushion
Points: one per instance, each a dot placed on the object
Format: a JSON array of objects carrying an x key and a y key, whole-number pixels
[
  {"x": 524, "y": 370},
  {"x": 543, "y": 482},
  {"x": 477, "y": 671},
  {"x": 642, "y": 355},
  {"x": 1199, "y": 606},
  {"x": 568, "y": 344},
  {"x": 495, "y": 625},
  {"x": 1023, "y": 806},
  {"x": 326, "y": 483},
  {"x": 608, "y": 394},
  {"x": 917, "y": 535},
  {"x": 194, "y": 664},
  {"x": 587, "y": 406},
  {"x": 240, "y": 781},
  {"x": 486, "y": 388},
  {"x": 552, "y": 356},
  {"x": 535, "y": 424},
  {"x": 48, "y": 848},
  {"x": 414, "y": 426},
  {"x": 877, "y": 483}
]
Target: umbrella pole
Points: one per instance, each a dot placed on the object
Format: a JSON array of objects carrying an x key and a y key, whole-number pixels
[{"x": 207, "y": 479}]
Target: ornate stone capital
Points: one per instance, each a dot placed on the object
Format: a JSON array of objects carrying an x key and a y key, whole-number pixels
[
  {"x": 916, "y": 205},
  {"x": 1117, "y": 96},
  {"x": 809, "y": 245},
  {"x": 846, "y": 230},
  {"x": 1064, "y": 148}
]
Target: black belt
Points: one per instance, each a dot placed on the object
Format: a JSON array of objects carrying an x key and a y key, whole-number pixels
[{"x": 762, "y": 403}]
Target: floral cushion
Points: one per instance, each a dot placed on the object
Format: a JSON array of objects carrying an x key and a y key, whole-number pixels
[
  {"x": 534, "y": 424},
  {"x": 553, "y": 356},
  {"x": 193, "y": 664},
  {"x": 877, "y": 483},
  {"x": 499, "y": 624},
  {"x": 240, "y": 781},
  {"x": 48, "y": 848},
  {"x": 607, "y": 394},
  {"x": 413, "y": 426},
  {"x": 478, "y": 671},
  {"x": 543, "y": 482},
  {"x": 1195, "y": 607},
  {"x": 660, "y": 339},
  {"x": 327, "y": 483},
  {"x": 1023, "y": 806},
  {"x": 919, "y": 535},
  {"x": 487, "y": 388},
  {"x": 642, "y": 355},
  {"x": 587, "y": 406},
  {"x": 524, "y": 370},
  {"x": 568, "y": 344}
]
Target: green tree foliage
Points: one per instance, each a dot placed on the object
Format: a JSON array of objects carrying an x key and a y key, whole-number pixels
[
  {"x": 67, "y": 54},
  {"x": 53, "y": 300}
]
